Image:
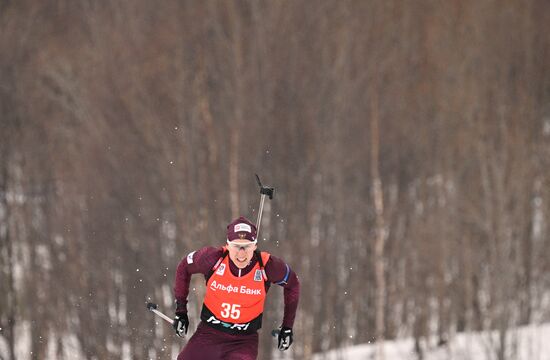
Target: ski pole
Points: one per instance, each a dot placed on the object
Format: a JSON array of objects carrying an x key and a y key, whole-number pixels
[
  {"x": 153, "y": 307},
  {"x": 264, "y": 190}
]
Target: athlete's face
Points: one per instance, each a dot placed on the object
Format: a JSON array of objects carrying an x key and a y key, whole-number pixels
[{"x": 241, "y": 252}]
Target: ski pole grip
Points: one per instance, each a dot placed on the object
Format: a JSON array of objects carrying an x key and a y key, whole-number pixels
[{"x": 267, "y": 191}]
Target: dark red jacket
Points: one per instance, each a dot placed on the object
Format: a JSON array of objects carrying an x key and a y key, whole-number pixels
[{"x": 202, "y": 261}]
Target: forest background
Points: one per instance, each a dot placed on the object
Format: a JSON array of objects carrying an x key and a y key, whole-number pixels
[{"x": 408, "y": 142}]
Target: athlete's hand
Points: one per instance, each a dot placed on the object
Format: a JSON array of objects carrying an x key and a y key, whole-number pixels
[
  {"x": 285, "y": 338},
  {"x": 181, "y": 324}
]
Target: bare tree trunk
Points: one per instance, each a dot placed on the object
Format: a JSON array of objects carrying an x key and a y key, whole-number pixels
[
  {"x": 234, "y": 173},
  {"x": 234, "y": 19},
  {"x": 380, "y": 226},
  {"x": 6, "y": 256}
]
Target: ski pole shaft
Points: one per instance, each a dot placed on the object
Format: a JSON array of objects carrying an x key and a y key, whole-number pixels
[
  {"x": 259, "y": 218},
  {"x": 264, "y": 190},
  {"x": 153, "y": 307}
]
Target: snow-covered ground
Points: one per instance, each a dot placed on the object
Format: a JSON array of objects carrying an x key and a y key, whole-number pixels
[{"x": 527, "y": 343}]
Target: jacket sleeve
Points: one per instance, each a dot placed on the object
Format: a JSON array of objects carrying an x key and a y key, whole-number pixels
[
  {"x": 196, "y": 262},
  {"x": 280, "y": 273}
]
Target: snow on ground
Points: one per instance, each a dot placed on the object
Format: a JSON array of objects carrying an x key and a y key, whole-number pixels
[{"x": 528, "y": 343}]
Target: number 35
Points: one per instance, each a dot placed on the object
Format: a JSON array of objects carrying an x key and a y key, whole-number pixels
[{"x": 231, "y": 311}]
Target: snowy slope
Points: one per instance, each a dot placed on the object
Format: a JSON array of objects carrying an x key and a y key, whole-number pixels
[{"x": 529, "y": 343}]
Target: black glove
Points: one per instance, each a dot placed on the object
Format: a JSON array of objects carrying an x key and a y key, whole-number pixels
[
  {"x": 181, "y": 324},
  {"x": 285, "y": 338}
]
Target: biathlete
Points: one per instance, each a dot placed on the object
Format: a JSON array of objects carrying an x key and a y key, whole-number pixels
[{"x": 238, "y": 277}]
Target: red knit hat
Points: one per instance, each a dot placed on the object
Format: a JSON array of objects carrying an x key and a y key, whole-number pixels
[{"x": 241, "y": 228}]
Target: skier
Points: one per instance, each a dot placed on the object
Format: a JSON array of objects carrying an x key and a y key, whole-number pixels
[{"x": 237, "y": 280}]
